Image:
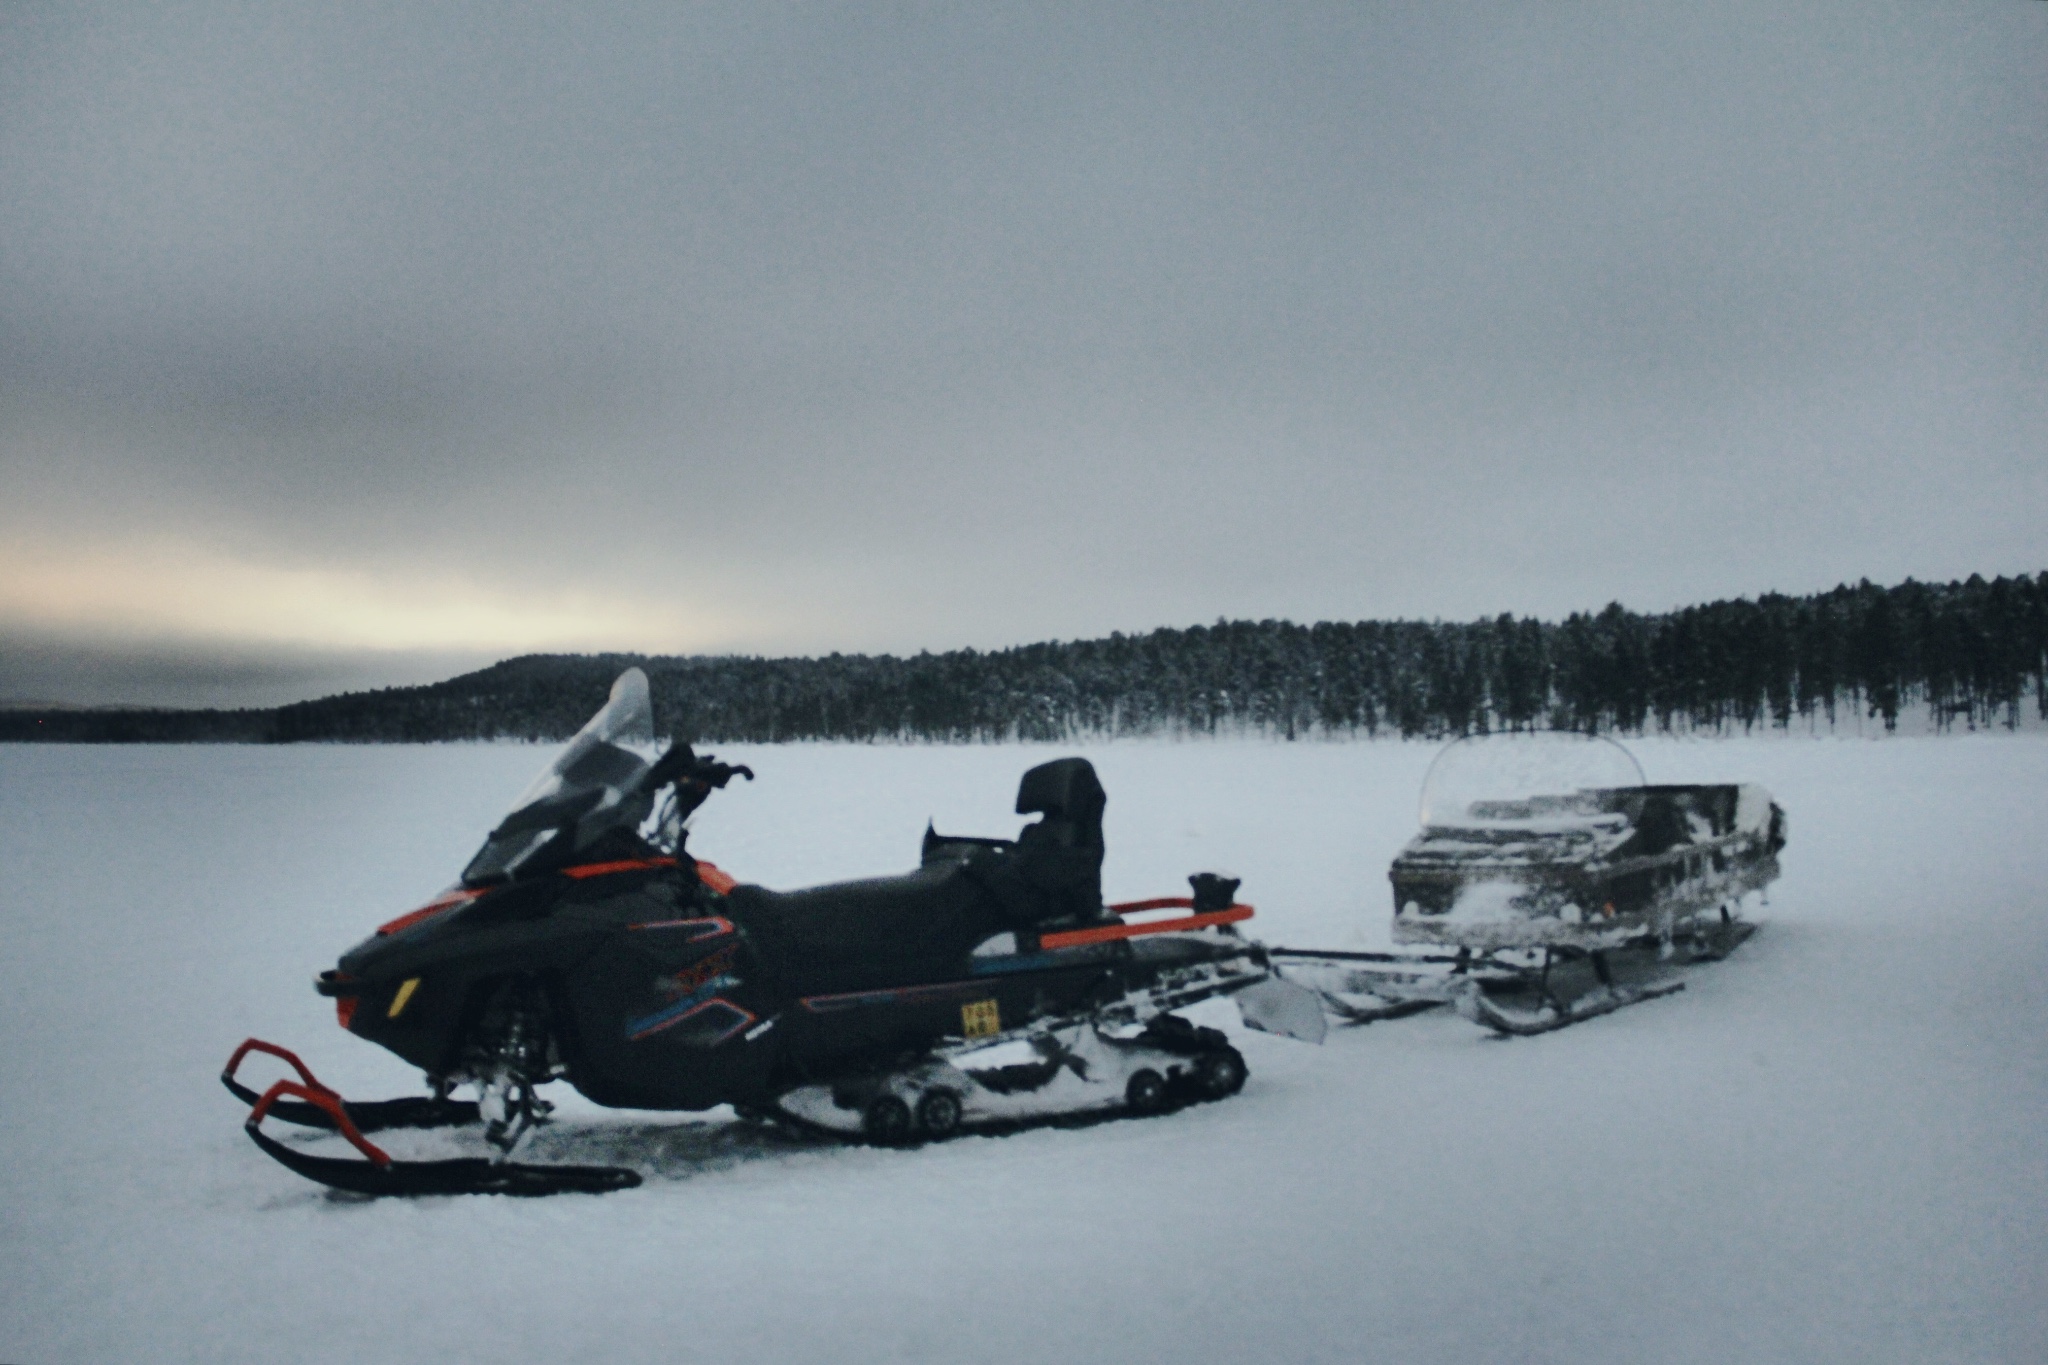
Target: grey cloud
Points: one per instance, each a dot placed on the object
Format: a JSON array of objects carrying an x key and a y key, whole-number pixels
[{"x": 927, "y": 328}]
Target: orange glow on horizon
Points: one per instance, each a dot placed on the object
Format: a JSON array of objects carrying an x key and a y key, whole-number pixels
[{"x": 173, "y": 589}]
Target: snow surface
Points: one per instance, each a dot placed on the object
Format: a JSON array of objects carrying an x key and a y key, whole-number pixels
[{"x": 1833, "y": 1147}]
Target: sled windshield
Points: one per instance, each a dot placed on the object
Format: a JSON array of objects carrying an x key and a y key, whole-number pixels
[
  {"x": 1525, "y": 778},
  {"x": 585, "y": 790}
]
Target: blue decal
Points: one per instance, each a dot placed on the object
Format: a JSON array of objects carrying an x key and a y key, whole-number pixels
[
  {"x": 671, "y": 1015},
  {"x": 1022, "y": 962},
  {"x": 715, "y": 926}
]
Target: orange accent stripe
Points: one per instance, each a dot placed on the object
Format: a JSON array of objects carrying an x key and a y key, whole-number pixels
[
  {"x": 1074, "y": 938},
  {"x": 1156, "y": 903},
  {"x": 626, "y": 865},
  {"x": 447, "y": 901},
  {"x": 717, "y": 880}
]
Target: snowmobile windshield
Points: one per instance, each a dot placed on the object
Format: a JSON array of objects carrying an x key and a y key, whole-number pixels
[
  {"x": 1526, "y": 778},
  {"x": 592, "y": 786}
]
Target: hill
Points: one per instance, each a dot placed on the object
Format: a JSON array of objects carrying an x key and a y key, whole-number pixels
[{"x": 1969, "y": 653}]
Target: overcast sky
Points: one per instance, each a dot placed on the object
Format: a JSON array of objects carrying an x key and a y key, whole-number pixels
[{"x": 358, "y": 343}]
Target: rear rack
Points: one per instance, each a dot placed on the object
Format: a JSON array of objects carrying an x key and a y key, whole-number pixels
[{"x": 1107, "y": 933}]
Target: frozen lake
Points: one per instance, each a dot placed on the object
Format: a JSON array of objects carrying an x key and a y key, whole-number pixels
[{"x": 1833, "y": 1147}]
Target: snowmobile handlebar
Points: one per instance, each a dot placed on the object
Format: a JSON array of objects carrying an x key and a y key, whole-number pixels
[
  {"x": 718, "y": 774},
  {"x": 682, "y": 765}
]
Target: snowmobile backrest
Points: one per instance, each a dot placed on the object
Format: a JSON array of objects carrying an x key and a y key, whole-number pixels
[
  {"x": 1070, "y": 797},
  {"x": 1060, "y": 856}
]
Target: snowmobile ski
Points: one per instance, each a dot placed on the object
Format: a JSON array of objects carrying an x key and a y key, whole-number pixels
[
  {"x": 411, "y": 1111},
  {"x": 379, "y": 1173}
]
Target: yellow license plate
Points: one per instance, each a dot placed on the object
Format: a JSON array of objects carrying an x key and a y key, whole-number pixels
[{"x": 980, "y": 1019}]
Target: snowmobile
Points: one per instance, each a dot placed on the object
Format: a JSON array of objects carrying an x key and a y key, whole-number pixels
[
  {"x": 583, "y": 942},
  {"x": 1561, "y": 884}
]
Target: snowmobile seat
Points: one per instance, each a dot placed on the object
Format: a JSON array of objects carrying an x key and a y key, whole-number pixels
[
  {"x": 1052, "y": 871},
  {"x": 887, "y": 930},
  {"x": 882, "y": 930}
]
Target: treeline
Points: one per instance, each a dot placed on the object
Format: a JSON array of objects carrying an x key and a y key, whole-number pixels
[{"x": 1970, "y": 654}]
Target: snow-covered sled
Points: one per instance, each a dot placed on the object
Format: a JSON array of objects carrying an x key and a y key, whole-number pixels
[{"x": 1555, "y": 885}]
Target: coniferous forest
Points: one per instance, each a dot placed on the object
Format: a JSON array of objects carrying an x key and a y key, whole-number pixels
[{"x": 1972, "y": 654}]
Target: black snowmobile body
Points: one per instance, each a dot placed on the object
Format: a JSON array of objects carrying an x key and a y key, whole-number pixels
[
  {"x": 664, "y": 985},
  {"x": 583, "y": 945}
]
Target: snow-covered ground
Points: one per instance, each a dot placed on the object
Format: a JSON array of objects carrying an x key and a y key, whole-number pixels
[{"x": 1833, "y": 1147}]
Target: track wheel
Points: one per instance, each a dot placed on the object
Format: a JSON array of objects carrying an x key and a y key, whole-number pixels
[
  {"x": 1219, "y": 1074},
  {"x": 938, "y": 1113},
  {"x": 887, "y": 1120},
  {"x": 1145, "y": 1092}
]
